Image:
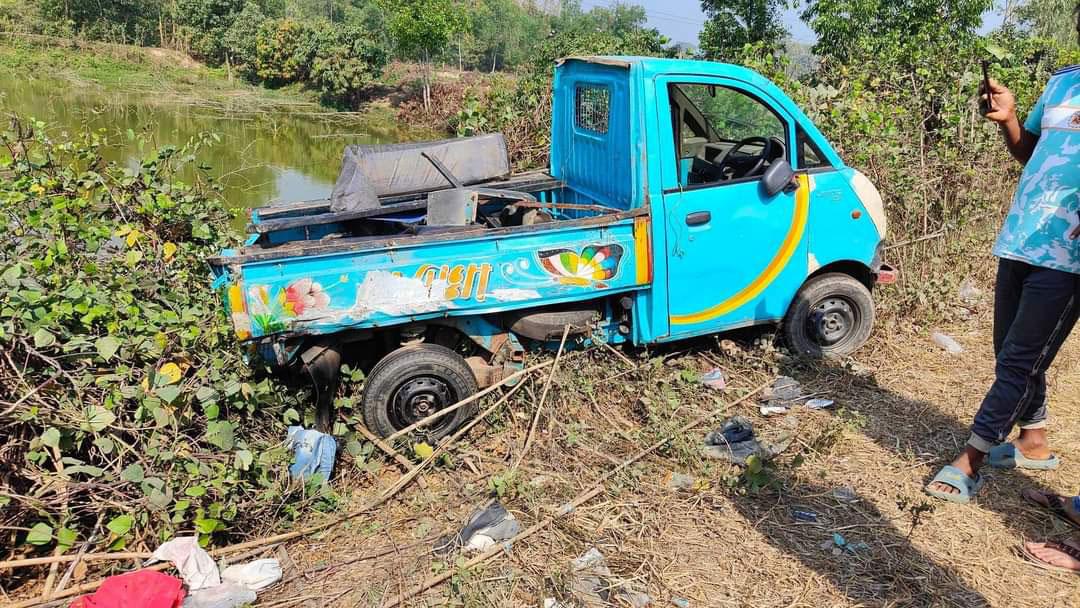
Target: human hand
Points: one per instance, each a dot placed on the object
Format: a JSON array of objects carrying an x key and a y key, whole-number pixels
[
  {"x": 1075, "y": 234},
  {"x": 999, "y": 102}
]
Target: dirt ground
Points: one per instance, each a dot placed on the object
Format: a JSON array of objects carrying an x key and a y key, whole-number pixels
[{"x": 903, "y": 410}]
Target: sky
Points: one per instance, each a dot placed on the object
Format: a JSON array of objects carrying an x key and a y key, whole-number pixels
[{"x": 681, "y": 20}]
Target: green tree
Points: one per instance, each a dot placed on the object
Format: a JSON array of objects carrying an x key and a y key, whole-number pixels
[
  {"x": 207, "y": 22},
  {"x": 346, "y": 60},
  {"x": 846, "y": 28},
  {"x": 422, "y": 30},
  {"x": 732, "y": 24},
  {"x": 1047, "y": 19},
  {"x": 503, "y": 33},
  {"x": 123, "y": 21}
]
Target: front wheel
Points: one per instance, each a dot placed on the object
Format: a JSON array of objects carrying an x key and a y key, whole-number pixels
[
  {"x": 831, "y": 317},
  {"x": 414, "y": 382}
]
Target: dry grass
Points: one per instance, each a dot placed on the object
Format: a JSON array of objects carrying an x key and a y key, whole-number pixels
[
  {"x": 723, "y": 546},
  {"x": 903, "y": 408}
]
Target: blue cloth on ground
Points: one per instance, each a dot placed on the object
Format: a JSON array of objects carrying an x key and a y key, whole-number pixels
[{"x": 314, "y": 453}]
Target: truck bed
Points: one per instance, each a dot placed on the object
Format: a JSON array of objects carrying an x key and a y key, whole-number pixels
[{"x": 308, "y": 271}]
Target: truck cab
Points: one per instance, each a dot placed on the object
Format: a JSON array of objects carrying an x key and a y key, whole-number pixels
[
  {"x": 696, "y": 140},
  {"x": 683, "y": 198}
]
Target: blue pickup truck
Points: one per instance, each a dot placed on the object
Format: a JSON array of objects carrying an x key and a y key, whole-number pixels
[{"x": 683, "y": 198}]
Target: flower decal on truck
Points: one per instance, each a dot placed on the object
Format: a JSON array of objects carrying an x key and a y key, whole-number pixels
[
  {"x": 269, "y": 309},
  {"x": 593, "y": 265},
  {"x": 305, "y": 295}
]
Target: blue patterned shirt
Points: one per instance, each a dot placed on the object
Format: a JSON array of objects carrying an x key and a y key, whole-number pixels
[{"x": 1046, "y": 207}]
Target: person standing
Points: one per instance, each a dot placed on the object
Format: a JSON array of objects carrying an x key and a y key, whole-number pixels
[{"x": 1037, "y": 296}]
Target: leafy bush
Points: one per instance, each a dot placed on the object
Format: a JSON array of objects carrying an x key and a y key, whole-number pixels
[
  {"x": 337, "y": 61},
  {"x": 346, "y": 61},
  {"x": 124, "y": 402},
  {"x": 283, "y": 51}
]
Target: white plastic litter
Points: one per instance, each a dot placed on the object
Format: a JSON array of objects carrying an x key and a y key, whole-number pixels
[
  {"x": 255, "y": 575},
  {"x": 969, "y": 293},
  {"x": 195, "y": 565},
  {"x": 772, "y": 410},
  {"x": 820, "y": 404},
  {"x": 486, "y": 527},
  {"x": 226, "y": 595},
  {"x": 947, "y": 343},
  {"x": 591, "y": 576}
]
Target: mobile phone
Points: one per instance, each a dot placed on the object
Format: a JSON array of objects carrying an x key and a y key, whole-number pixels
[{"x": 986, "y": 104}]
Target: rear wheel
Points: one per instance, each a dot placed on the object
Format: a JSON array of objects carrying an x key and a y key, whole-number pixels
[
  {"x": 414, "y": 382},
  {"x": 831, "y": 317}
]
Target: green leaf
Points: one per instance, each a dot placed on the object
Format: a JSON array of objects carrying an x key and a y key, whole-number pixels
[
  {"x": 169, "y": 393},
  {"x": 104, "y": 444},
  {"x": 207, "y": 526},
  {"x": 220, "y": 433},
  {"x": 11, "y": 275},
  {"x": 85, "y": 469},
  {"x": 65, "y": 537},
  {"x": 97, "y": 418},
  {"x": 212, "y": 411},
  {"x": 51, "y": 437},
  {"x": 107, "y": 347},
  {"x": 43, "y": 339},
  {"x": 195, "y": 491},
  {"x": 200, "y": 230},
  {"x": 243, "y": 460},
  {"x": 999, "y": 53},
  {"x": 120, "y": 525},
  {"x": 159, "y": 499},
  {"x": 133, "y": 472},
  {"x": 40, "y": 534},
  {"x": 753, "y": 464},
  {"x": 354, "y": 447}
]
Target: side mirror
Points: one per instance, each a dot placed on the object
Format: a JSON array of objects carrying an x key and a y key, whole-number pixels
[{"x": 779, "y": 177}]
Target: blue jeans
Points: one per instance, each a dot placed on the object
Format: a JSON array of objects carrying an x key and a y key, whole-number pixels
[{"x": 1034, "y": 311}]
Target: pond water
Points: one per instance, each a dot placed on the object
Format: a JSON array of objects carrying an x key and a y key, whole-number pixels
[{"x": 269, "y": 150}]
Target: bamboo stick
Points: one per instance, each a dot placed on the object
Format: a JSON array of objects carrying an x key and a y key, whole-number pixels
[
  {"x": 543, "y": 397},
  {"x": 406, "y": 466}
]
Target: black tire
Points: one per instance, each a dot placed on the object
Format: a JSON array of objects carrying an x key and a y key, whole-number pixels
[
  {"x": 548, "y": 324},
  {"x": 831, "y": 317},
  {"x": 413, "y": 382}
]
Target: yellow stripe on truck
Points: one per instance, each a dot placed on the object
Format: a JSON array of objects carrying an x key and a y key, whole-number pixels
[
  {"x": 773, "y": 270},
  {"x": 642, "y": 251}
]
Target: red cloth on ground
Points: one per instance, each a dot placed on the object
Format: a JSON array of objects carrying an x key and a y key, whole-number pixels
[{"x": 139, "y": 589}]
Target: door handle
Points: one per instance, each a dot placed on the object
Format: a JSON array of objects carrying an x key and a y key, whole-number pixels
[{"x": 698, "y": 218}]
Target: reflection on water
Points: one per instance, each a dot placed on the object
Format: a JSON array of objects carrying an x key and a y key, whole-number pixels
[{"x": 268, "y": 151}]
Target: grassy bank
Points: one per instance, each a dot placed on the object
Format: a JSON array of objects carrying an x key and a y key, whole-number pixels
[{"x": 172, "y": 75}]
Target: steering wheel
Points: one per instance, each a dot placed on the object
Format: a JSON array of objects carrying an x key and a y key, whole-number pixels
[{"x": 738, "y": 166}]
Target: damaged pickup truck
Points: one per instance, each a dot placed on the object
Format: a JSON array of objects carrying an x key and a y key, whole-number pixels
[{"x": 683, "y": 198}]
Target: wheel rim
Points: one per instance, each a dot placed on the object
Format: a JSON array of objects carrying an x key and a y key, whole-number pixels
[
  {"x": 419, "y": 397},
  {"x": 832, "y": 321}
]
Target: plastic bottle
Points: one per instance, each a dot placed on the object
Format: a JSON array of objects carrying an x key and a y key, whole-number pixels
[{"x": 951, "y": 346}]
